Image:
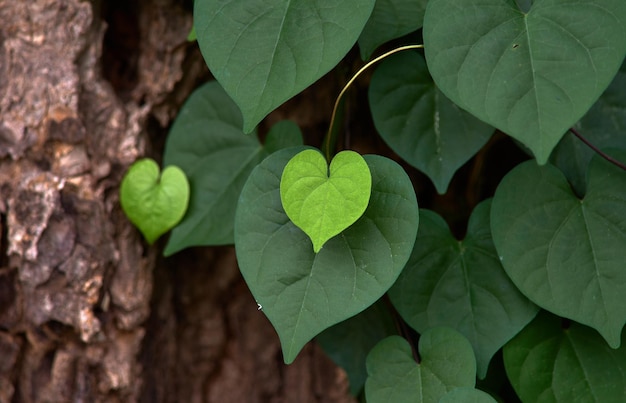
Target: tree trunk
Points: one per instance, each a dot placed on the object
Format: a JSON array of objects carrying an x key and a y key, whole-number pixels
[{"x": 88, "y": 312}]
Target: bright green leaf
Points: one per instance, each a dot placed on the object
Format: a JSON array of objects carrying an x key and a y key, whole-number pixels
[
  {"x": 419, "y": 123},
  {"x": 264, "y": 52},
  {"x": 152, "y": 201},
  {"x": 303, "y": 292},
  {"x": 467, "y": 395},
  {"x": 532, "y": 75},
  {"x": 567, "y": 255},
  {"x": 604, "y": 126},
  {"x": 549, "y": 363},
  {"x": 207, "y": 142},
  {"x": 348, "y": 342},
  {"x": 320, "y": 201},
  {"x": 461, "y": 284},
  {"x": 390, "y": 19},
  {"x": 447, "y": 362}
]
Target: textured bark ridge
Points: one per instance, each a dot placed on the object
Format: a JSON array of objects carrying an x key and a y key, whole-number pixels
[{"x": 87, "y": 311}]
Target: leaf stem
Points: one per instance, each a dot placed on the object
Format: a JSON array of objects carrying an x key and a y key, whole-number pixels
[
  {"x": 597, "y": 150},
  {"x": 352, "y": 80}
]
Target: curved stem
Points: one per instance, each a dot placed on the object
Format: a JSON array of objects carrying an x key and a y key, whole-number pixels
[
  {"x": 352, "y": 80},
  {"x": 597, "y": 150}
]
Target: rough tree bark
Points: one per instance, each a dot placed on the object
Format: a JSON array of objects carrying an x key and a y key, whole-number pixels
[{"x": 88, "y": 313}]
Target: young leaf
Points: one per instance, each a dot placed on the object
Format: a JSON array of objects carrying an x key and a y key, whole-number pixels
[
  {"x": 264, "y": 52},
  {"x": 390, "y": 19},
  {"x": 461, "y": 284},
  {"x": 447, "y": 362},
  {"x": 153, "y": 202},
  {"x": 419, "y": 123},
  {"x": 303, "y": 292},
  {"x": 348, "y": 342},
  {"x": 532, "y": 75},
  {"x": 567, "y": 255},
  {"x": 207, "y": 142},
  {"x": 549, "y": 363},
  {"x": 323, "y": 202}
]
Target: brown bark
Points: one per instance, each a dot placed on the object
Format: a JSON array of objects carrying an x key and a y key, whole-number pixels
[{"x": 88, "y": 312}]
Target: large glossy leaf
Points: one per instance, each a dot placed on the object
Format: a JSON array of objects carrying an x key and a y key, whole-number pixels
[
  {"x": 390, "y": 19},
  {"x": 303, "y": 292},
  {"x": 604, "y": 126},
  {"x": 206, "y": 141},
  {"x": 447, "y": 362},
  {"x": 349, "y": 342},
  {"x": 530, "y": 74},
  {"x": 547, "y": 362},
  {"x": 420, "y": 123},
  {"x": 263, "y": 52},
  {"x": 567, "y": 255},
  {"x": 461, "y": 284}
]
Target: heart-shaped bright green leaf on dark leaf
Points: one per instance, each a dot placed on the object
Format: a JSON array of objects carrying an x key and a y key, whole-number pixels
[
  {"x": 152, "y": 201},
  {"x": 349, "y": 342},
  {"x": 320, "y": 201},
  {"x": 467, "y": 395},
  {"x": 208, "y": 143},
  {"x": 549, "y": 363},
  {"x": 264, "y": 52},
  {"x": 532, "y": 75},
  {"x": 447, "y": 362},
  {"x": 567, "y": 255},
  {"x": 390, "y": 19},
  {"x": 419, "y": 123},
  {"x": 604, "y": 126},
  {"x": 303, "y": 292},
  {"x": 461, "y": 284}
]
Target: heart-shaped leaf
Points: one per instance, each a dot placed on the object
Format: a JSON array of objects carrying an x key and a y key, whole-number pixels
[
  {"x": 390, "y": 19},
  {"x": 323, "y": 202},
  {"x": 532, "y": 75},
  {"x": 447, "y": 362},
  {"x": 548, "y": 362},
  {"x": 419, "y": 123},
  {"x": 265, "y": 52},
  {"x": 467, "y": 395},
  {"x": 154, "y": 204},
  {"x": 567, "y": 255},
  {"x": 461, "y": 284},
  {"x": 207, "y": 142},
  {"x": 347, "y": 343},
  {"x": 303, "y": 292}
]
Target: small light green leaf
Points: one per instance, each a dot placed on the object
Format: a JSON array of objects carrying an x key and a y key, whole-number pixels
[
  {"x": 549, "y": 363},
  {"x": 532, "y": 75},
  {"x": 390, "y": 19},
  {"x": 567, "y": 255},
  {"x": 323, "y": 202},
  {"x": 264, "y": 52},
  {"x": 191, "y": 37},
  {"x": 207, "y": 142},
  {"x": 347, "y": 343},
  {"x": 447, "y": 362},
  {"x": 303, "y": 292},
  {"x": 154, "y": 204},
  {"x": 467, "y": 395},
  {"x": 419, "y": 123},
  {"x": 461, "y": 284}
]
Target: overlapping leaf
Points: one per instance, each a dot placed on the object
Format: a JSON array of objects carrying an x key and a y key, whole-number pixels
[
  {"x": 206, "y": 141},
  {"x": 420, "y": 123},
  {"x": 530, "y": 74},
  {"x": 264, "y": 52},
  {"x": 303, "y": 292},
  {"x": 567, "y": 255},
  {"x": 461, "y": 284}
]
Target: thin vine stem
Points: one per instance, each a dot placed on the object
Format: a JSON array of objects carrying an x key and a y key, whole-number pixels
[
  {"x": 597, "y": 150},
  {"x": 352, "y": 80}
]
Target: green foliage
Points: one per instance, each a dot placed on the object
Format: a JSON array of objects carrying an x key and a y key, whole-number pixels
[
  {"x": 154, "y": 202},
  {"x": 366, "y": 278},
  {"x": 323, "y": 202}
]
